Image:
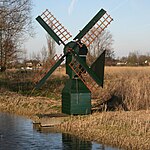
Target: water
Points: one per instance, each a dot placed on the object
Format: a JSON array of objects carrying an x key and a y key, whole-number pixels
[{"x": 17, "y": 133}]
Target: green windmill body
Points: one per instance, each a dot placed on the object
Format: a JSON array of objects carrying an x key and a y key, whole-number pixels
[{"x": 76, "y": 94}]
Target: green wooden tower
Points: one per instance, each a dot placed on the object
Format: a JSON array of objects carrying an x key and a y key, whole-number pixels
[{"x": 76, "y": 94}]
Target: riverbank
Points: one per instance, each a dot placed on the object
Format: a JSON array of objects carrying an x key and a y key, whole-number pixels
[
  {"x": 28, "y": 106},
  {"x": 126, "y": 92},
  {"x": 128, "y": 130}
]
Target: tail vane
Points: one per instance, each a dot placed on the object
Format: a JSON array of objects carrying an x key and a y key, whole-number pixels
[{"x": 98, "y": 67}]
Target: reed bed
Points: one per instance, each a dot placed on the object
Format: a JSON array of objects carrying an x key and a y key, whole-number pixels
[
  {"x": 127, "y": 130},
  {"x": 125, "y": 88},
  {"x": 126, "y": 85}
]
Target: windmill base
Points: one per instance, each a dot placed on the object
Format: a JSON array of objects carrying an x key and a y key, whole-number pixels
[{"x": 76, "y": 98}]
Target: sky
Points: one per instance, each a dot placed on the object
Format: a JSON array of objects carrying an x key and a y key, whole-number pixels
[{"x": 130, "y": 27}]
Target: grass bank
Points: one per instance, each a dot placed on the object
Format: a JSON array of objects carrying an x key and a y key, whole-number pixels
[
  {"x": 123, "y": 129},
  {"x": 127, "y": 130},
  {"x": 28, "y": 106},
  {"x": 125, "y": 88}
]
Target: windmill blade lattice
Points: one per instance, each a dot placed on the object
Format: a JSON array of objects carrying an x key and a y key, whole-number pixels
[
  {"x": 83, "y": 75},
  {"x": 45, "y": 68},
  {"x": 55, "y": 65},
  {"x": 56, "y": 26},
  {"x": 96, "y": 30}
]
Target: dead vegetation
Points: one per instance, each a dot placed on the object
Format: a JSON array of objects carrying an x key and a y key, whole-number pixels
[
  {"x": 125, "y": 88},
  {"x": 128, "y": 130},
  {"x": 27, "y": 106}
]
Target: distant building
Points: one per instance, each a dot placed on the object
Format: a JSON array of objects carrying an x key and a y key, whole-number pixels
[
  {"x": 121, "y": 63},
  {"x": 32, "y": 64}
]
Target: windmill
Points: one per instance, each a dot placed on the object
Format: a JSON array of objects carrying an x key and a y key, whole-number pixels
[{"x": 76, "y": 94}]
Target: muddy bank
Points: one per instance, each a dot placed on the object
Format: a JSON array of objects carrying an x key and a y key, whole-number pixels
[{"x": 129, "y": 130}]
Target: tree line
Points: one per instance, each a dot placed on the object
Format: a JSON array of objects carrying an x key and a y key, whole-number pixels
[
  {"x": 135, "y": 59},
  {"x": 15, "y": 22}
]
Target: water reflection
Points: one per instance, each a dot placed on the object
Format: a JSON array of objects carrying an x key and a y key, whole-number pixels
[
  {"x": 71, "y": 142},
  {"x": 17, "y": 133}
]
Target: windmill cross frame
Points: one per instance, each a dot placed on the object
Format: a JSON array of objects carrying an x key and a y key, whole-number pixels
[{"x": 76, "y": 95}]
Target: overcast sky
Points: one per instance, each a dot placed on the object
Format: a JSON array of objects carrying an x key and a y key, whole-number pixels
[{"x": 130, "y": 28}]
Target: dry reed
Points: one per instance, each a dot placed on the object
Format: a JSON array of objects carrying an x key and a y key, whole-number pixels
[
  {"x": 27, "y": 106},
  {"x": 128, "y": 130},
  {"x": 131, "y": 85}
]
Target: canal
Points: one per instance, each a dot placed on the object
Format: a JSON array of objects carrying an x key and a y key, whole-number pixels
[{"x": 17, "y": 133}]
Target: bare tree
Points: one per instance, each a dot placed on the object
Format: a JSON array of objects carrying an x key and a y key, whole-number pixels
[
  {"x": 44, "y": 54},
  {"x": 51, "y": 46},
  {"x": 15, "y": 21},
  {"x": 133, "y": 58},
  {"x": 103, "y": 42}
]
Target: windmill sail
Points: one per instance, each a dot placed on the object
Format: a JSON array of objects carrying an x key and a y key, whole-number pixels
[
  {"x": 91, "y": 31},
  {"x": 86, "y": 74},
  {"x": 58, "y": 32},
  {"x": 45, "y": 68},
  {"x": 52, "y": 69}
]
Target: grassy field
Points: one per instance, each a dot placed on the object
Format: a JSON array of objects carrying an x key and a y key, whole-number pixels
[
  {"x": 121, "y": 110},
  {"x": 125, "y": 88}
]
